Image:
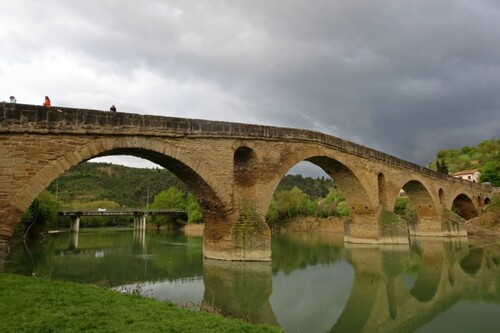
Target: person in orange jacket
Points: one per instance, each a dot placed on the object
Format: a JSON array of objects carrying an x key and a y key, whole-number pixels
[{"x": 47, "y": 102}]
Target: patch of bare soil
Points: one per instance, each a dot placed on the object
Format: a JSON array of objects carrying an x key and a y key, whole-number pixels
[{"x": 486, "y": 224}]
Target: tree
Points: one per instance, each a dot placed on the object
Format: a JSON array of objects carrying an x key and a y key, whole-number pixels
[
  {"x": 41, "y": 214},
  {"x": 168, "y": 199},
  {"x": 490, "y": 172},
  {"x": 442, "y": 166},
  {"x": 287, "y": 204},
  {"x": 193, "y": 209}
]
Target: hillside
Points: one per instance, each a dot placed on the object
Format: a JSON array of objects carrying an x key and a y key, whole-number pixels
[
  {"x": 485, "y": 157},
  {"x": 101, "y": 181},
  {"x": 129, "y": 186}
]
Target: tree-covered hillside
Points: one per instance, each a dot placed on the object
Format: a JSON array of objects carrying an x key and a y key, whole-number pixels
[
  {"x": 101, "y": 181},
  {"x": 128, "y": 187},
  {"x": 485, "y": 157},
  {"x": 313, "y": 187}
]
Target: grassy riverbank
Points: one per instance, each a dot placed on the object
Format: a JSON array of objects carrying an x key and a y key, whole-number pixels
[{"x": 29, "y": 304}]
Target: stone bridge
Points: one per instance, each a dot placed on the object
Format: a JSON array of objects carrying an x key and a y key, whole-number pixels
[{"x": 232, "y": 168}]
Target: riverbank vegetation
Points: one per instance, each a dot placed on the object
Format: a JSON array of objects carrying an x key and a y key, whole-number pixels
[{"x": 31, "y": 304}]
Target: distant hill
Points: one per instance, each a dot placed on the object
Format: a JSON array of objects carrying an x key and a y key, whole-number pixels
[
  {"x": 129, "y": 186},
  {"x": 315, "y": 188},
  {"x": 102, "y": 181}
]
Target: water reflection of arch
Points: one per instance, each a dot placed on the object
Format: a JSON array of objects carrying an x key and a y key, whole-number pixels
[
  {"x": 380, "y": 301},
  {"x": 436, "y": 257}
]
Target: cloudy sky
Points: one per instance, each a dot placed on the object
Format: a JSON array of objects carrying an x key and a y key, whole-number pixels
[{"x": 405, "y": 77}]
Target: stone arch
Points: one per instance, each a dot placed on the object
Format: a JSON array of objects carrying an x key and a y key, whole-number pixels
[
  {"x": 421, "y": 200},
  {"x": 487, "y": 200},
  {"x": 191, "y": 171},
  {"x": 465, "y": 207},
  {"x": 382, "y": 190},
  {"x": 354, "y": 191},
  {"x": 342, "y": 174}
]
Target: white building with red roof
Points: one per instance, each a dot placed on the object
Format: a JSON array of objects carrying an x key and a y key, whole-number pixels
[{"x": 471, "y": 175}]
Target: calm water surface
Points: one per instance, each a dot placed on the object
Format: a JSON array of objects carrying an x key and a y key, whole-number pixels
[{"x": 315, "y": 283}]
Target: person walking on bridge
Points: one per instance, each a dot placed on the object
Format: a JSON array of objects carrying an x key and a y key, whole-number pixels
[
  {"x": 47, "y": 102},
  {"x": 112, "y": 108}
]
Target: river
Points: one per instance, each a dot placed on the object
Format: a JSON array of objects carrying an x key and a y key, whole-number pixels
[{"x": 315, "y": 282}]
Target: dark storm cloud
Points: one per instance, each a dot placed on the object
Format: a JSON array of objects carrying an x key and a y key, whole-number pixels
[{"x": 405, "y": 77}]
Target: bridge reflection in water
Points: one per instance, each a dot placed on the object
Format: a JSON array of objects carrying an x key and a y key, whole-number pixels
[{"x": 314, "y": 283}]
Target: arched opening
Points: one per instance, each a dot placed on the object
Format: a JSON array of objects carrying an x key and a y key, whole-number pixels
[
  {"x": 355, "y": 193},
  {"x": 306, "y": 192},
  {"x": 463, "y": 206},
  {"x": 487, "y": 201},
  {"x": 244, "y": 167},
  {"x": 135, "y": 193},
  {"x": 415, "y": 204},
  {"x": 382, "y": 190},
  {"x": 138, "y": 189},
  {"x": 441, "y": 197},
  {"x": 208, "y": 200}
]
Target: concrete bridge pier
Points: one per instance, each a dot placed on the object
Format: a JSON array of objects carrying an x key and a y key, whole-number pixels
[
  {"x": 75, "y": 224},
  {"x": 73, "y": 240},
  {"x": 140, "y": 222}
]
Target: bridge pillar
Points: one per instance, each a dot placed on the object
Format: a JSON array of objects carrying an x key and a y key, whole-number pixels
[
  {"x": 75, "y": 223},
  {"x": 73, "y": 240},
  {"x": 240, "y": 233},
  {"x": 240, "y": 236},
  {"x": 446, "y": 224},
  {"x": 376, "y": 227},
  {"x": 139, "y": 222}
]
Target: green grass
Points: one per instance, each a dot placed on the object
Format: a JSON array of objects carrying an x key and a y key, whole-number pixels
[{"x": 30, "y": 304}]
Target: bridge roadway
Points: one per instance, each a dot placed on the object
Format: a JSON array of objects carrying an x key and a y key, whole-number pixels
[
  {"x": 139, "y": 216},
  {"x": 233, "y": 169}
]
